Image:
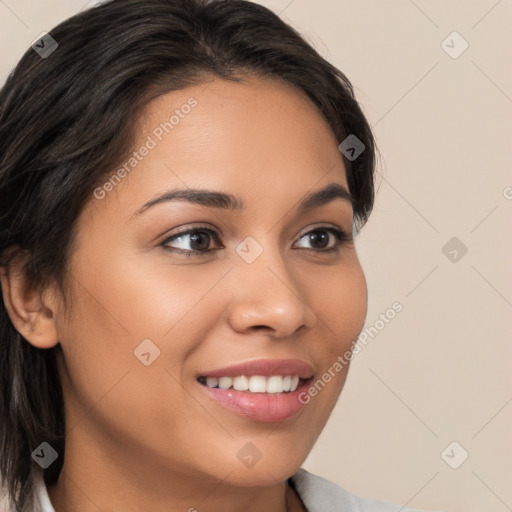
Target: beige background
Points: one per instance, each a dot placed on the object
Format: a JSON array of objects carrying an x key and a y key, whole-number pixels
[{"x": 440, "y": 370}]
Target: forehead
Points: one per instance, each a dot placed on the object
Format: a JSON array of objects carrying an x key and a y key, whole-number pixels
[
  {"x": 237, "y": 119},
  {"x": 259, "y": 139}
]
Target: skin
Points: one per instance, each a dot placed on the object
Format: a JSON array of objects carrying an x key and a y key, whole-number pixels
[{"x": 147, "y": 437}]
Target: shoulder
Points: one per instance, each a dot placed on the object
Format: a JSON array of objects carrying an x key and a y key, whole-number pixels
[{"x": 321, "y": 495}]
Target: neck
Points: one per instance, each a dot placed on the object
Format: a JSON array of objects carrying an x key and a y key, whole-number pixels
[{"x": 293, "y": 501}]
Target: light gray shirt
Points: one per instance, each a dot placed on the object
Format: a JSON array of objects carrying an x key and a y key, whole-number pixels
[{"x": 321, "y": 495}]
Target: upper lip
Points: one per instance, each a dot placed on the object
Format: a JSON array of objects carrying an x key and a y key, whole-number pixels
[{"x": 264, "y": 367}]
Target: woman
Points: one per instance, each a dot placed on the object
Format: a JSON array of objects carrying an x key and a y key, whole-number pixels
[{"x": 181, "y": 183}]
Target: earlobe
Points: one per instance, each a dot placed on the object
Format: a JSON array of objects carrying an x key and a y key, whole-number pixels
[{"x": 29, "y": 314}]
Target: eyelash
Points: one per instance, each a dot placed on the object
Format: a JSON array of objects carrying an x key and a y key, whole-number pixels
[{"x": 341, "y": 238}]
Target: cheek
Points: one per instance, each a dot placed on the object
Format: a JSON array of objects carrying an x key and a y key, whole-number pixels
[
  {"x": 341, "y": 305},
  {"x": 144, "y": 297},
  {"x": 120, "y": 301},
  {"x": 342, "y": 310},
  {"x": 115, "y": 308},
  {"x": 354, "y": 303}
]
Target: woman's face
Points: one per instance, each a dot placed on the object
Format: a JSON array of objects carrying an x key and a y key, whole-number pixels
[{"x": 148, "y": 320}]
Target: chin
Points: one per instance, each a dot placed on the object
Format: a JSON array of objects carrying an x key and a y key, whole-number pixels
[
  {"x": 263, "y": 473},
  {"x": 261, "y": 478}
]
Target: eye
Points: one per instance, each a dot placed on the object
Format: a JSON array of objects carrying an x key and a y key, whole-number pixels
[
  {"x": 199, "y": 239},
  {"x": 196, "y": 241},
  {"x": 320, "y": 237}
]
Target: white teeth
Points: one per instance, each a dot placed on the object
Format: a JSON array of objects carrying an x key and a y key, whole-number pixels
[
  {"x": 275, "y": 384},
  {"x": 225, "y": 382},
  {"x": 241, "y": 383},
  {"x": 256, "y": 383},
  {"x": 212, "y": 382}
]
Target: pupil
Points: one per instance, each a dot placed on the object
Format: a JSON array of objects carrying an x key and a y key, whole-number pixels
[
  {"x": 194, "y": 237},
  {"x": 320, "y": 235}
]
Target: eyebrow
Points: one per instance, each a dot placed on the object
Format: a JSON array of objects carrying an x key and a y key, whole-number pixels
[{"x": 214, "y": 199}]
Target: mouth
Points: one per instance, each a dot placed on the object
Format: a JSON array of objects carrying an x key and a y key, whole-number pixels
[
  {"x": 264, "y": 390},
  {"x": 274, "y": 384}
]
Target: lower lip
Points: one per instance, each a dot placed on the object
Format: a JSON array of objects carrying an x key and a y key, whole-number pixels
[{"x": 264, "y": 407}]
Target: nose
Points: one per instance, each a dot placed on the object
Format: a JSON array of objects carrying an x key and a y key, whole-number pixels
[{"x": 268, "y": 296}]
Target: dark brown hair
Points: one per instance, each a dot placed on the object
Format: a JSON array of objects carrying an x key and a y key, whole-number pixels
[{"x": 67, "y": 120}]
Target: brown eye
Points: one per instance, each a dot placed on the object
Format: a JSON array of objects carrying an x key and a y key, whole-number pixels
[
  {"x": 191, "y": 242},
  {"x": 319, "y": 239}
]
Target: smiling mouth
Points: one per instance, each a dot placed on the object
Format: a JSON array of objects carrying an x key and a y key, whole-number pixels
[{"x": 256, "y": 383}]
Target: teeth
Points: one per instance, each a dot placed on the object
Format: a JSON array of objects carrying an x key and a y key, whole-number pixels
[
  {"x": 212, "y": 382},
  {"x": 225, "y": 382},
  {"x": 256, "y": 383},
  {"x": 275, "y": 384},
  {"x": 241, "y": 383}
]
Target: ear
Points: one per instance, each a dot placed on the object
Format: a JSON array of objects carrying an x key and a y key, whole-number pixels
[{"x": 32, "y": 311}]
